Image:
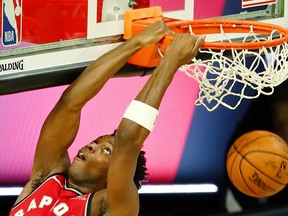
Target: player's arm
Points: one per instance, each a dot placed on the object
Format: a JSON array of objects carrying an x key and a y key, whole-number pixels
[
  {"x": 122, "y": 192},
  {"x": 61, "y": 125}
]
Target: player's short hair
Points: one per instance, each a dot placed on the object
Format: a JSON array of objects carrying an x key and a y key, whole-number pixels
[{"x": 141, "y": 170}]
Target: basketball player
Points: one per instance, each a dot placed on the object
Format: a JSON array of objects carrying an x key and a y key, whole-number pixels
[{"x": 99, "y": 181}]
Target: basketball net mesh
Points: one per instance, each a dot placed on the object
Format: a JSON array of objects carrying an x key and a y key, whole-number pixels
[{"x": 226, "y": 81}]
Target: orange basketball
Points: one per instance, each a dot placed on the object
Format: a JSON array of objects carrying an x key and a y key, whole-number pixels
[{"x": 257, "y": 163}]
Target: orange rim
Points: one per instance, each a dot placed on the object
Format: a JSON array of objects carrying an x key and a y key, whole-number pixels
[{"x": 231, "y": 26}]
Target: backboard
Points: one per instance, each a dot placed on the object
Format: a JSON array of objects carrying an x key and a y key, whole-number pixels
[{"x": 46, "y": 43}]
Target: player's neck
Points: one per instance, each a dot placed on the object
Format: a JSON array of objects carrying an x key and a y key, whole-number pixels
[{"x": 85, "y": 187}]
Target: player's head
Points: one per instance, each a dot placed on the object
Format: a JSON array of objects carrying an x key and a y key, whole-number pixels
[
  {"x": 92, "y": 162},
  {"x": 90, "y": 165}
]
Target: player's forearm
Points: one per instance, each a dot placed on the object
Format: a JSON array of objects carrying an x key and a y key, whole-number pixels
[
  {"x": 156, "y": 86},
  {"x": 129, "y": 131},
  {"x": 183, "y": 48},
  {"x": 90, "y": 82}
]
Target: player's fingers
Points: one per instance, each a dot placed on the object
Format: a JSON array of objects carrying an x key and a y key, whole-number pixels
[
  {"x": 199, "y": 41},
  {"x": 171, "y": 33}
]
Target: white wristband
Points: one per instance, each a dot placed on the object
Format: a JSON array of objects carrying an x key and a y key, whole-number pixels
[{"x": 142, "y": 114}]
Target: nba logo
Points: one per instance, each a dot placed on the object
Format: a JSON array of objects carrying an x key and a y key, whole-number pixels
[{"x": 11, "y": 22}]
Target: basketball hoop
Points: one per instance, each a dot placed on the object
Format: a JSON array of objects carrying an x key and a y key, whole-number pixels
[{"x": 224, "y": 79}]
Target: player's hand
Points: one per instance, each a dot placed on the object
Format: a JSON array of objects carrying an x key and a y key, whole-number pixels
[
  {"x": 154, "y": 33},
  {"x": 184, "y": 47}
]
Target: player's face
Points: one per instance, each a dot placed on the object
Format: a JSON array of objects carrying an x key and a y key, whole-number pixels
[{"x": 93, "y": 160}]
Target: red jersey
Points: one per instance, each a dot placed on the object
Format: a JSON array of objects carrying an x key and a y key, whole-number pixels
[{"x": 54, "y": 197}]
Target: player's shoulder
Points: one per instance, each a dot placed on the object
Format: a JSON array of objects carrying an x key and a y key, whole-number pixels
[{"x": 36, "y": 182}]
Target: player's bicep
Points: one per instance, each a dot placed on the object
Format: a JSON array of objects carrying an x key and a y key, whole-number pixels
[
  {"x": 57, "y": 134},
  {"x": 122, "y": 192}
]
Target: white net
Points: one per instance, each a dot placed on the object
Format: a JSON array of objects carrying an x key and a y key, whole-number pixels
[{"x": 227, "y": 80}]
